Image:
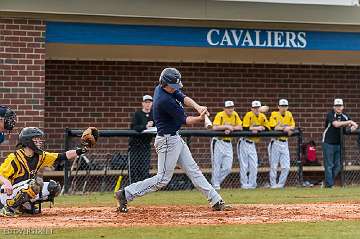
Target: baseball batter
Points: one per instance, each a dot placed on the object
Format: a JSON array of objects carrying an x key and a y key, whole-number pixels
[
  {"x": 21, "y": 184},
  {"x": 221, "y": 148},
  {"x": 278, "y": 148},
  {"x": 169, "y": 115},
  {"x": 248, "y": 159}
]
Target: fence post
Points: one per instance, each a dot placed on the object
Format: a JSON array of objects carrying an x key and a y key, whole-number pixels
[
  {"x": 129, "y": 165},
  {"x": 342, "y": 157},
  {"x": 188, "y": 141},
  {"x": 299, "y": 162},
  {"x": 66, "y": 163}
]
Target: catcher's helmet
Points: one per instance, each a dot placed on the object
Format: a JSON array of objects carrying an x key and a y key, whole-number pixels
[
  {"x": 171, "y": 77},
  {"x": 9, "y": 117},
  {"x": 26, "y": 138}
]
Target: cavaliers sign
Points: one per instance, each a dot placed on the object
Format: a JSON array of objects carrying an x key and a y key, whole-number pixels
[
  {"x": 112, "y": 34},
  {"x": 256, "y": 38}
]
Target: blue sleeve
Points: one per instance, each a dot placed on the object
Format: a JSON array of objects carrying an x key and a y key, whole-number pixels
[
  {"x": 179, "y": 96},
  {"x": 176, "y": 111},
  {"x": 2, "y": 137}
]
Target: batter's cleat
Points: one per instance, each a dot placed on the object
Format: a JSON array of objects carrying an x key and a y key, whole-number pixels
[
  {"x": 221, "y": 206},
  {"x": 7, "y": 212},
  {"x": 122, "y": 202}
]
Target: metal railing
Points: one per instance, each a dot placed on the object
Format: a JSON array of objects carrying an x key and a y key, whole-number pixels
[
  {"x": 107, "y": 165},
  {"x": 350, "y": 157}
]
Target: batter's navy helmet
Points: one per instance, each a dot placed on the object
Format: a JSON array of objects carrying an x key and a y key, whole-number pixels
[{"x": 171, "y": 77}]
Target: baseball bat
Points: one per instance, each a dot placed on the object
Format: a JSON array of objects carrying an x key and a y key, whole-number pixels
[
  {"x": 118, "y": 183},
  {"x": 208, "y": 123}
]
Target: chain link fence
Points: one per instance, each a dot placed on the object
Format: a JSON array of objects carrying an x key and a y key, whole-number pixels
[
  {"x": 122, "y": 157},
  {"x": 351, "y": 158}
]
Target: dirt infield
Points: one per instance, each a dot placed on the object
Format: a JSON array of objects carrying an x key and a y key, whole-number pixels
[{"x": 184, "y": 215}]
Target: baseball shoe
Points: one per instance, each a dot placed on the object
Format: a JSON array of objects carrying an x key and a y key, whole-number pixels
[
  {"x": 220, "y": 206},
  {"x": 7, "y": 212},
  {"x": 248, "y": 187},
  {"x": 31, "y": 211},
  {"x": 122, "y": 202},
  {"x": 276, "y": 186},
  {"x": 267, "y": 185}
]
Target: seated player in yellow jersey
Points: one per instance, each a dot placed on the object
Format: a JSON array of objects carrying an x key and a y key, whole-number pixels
[
  {"x": 22, "y": 186},
  {"x": 221, "y": 148},
  {"x": 278, "y": 148},
  {"x": 248, "y": 159}
]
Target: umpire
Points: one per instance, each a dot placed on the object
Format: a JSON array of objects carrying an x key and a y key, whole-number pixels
[
  {"x": 7, "y": 121},
  {"x": 139, "y": 146},
  {"x": 335, "y": 121}
]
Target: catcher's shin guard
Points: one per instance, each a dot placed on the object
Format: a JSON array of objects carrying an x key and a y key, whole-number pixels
[
  {"x": 30, "y": 208},
  {"x": 27, "y": 192},
  {"x": 7, "y": 212},
  {"x": 53, "y": 190}
]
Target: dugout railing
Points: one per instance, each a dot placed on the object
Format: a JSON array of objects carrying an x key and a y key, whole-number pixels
[
  {"x": 106, "y": 166},
  {"x": 350, "y": 157}
]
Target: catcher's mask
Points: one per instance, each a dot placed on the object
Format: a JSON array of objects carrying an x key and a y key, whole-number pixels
[
  {"x": 9, "y": 117},
  {"x": 32, "y": 137}
]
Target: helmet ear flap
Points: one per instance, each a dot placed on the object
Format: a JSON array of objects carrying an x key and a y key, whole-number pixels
[{"x": 162, "y": 83}]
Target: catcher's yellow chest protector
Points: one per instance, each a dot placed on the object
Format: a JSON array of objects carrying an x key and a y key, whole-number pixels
[
  {"x": 27, "y": 167},
  {"x": 17, "y": 167}
]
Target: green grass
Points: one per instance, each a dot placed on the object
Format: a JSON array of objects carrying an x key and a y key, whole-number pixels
[
  {"x": 328, "y": 230},
  {"x": 234, "y": 196}
]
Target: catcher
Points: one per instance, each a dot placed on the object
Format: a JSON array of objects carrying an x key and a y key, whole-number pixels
[{"x": 20, "y": 173}]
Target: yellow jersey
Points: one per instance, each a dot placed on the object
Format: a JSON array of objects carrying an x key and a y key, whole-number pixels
[
  {"x": 252, "y": 120},
  {"x": 17, "y": 167},
  {"x": 222, "y": 118},
  {"x": 276, "y": 119}
]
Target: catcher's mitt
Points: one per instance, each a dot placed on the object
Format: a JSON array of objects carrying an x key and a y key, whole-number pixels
[{"x": 89, "y": 137}]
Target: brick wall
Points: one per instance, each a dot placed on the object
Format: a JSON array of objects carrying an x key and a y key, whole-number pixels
[
  {"x": 22, "y": 73},
  {"x": 104, "y": 94}
]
